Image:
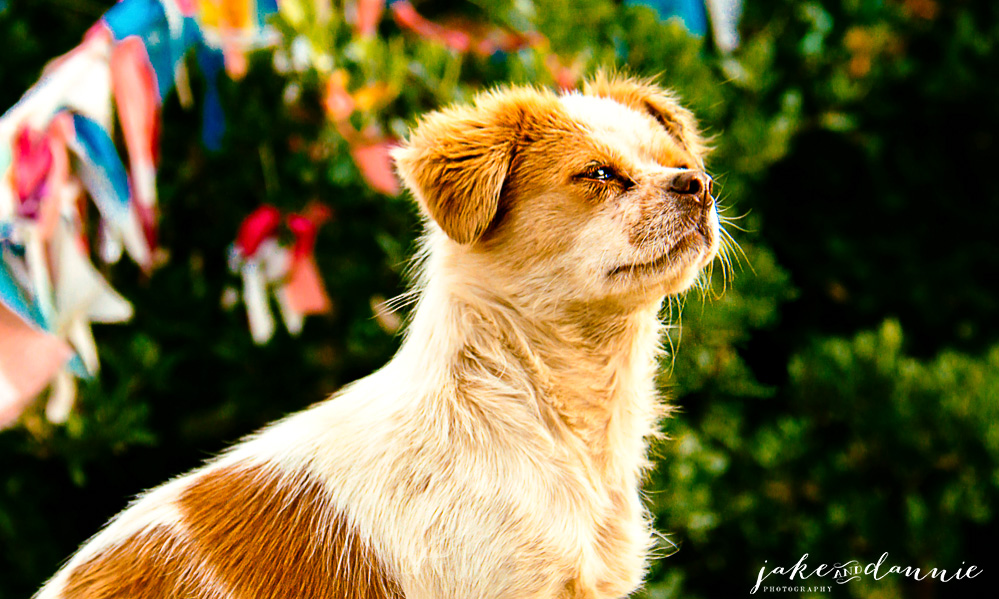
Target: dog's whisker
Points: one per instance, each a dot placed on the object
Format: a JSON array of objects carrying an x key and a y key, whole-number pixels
[{"x": 733, "y": 244}]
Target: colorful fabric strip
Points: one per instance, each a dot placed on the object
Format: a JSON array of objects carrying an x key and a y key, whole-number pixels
[
  {"x": 15, "y": 300},
  {"x": 165, "y": 46}
]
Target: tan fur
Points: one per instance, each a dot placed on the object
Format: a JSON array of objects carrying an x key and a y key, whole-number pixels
[
  {"x": 310, "y": 550},
  {"x": 146, "y": 566},
  {"x": 500, "y": 453}
]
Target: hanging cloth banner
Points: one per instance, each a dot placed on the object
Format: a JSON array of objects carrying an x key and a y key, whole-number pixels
[
  {"x": 236, "y": 26},
  {"x": 265, "y": 265},
  {"x": 57, "y": 141},
  {"x": 369, "y": 149},
  {"x": 166, "y": 37},
  {"x": 102, "y": 173},
  {"x": 29, "y": 355},
  {"x": 259, "y": 260},
  {"x": 302, "y": 292},
  {"x": 29, "y": 358},
  {"x": 134, "y": 86}
]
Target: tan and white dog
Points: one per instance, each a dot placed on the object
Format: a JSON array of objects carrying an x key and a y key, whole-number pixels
[{"x": 500, "y": 453}]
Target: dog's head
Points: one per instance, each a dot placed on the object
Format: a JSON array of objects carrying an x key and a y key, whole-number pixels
[{"x": 598, "y": 196}]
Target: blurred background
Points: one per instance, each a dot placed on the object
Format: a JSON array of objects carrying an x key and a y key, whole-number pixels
[{"x": 838, "y": 397}]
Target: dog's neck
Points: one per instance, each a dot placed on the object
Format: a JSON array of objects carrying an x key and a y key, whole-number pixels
[{"x": 587, "y": 373}]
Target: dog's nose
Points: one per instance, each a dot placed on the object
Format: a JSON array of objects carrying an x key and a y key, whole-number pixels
[{"x": 695, "y": 184}]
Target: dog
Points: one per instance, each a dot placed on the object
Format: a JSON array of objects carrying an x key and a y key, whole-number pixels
[{"x": 501, "y": 452}]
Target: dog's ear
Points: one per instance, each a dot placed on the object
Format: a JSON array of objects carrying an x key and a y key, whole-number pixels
[
  {"x": 456, "y": 162},
  {"x": 644, "y": 95}
]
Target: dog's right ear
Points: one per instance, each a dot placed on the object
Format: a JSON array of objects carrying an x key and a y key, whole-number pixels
[{"x": 456, "y": 162}]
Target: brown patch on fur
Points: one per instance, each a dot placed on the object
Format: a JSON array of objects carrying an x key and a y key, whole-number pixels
[
  {"x": 149, "y": 565},
  {"x": 543, "y": 202},
  {"x": 457, "y": 161},
  {"x": 647, "y": 97},
  {"x": 265, "y": 537}
]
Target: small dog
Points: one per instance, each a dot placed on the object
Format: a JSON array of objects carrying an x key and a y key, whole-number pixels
[{"x": 500, "y": 453}]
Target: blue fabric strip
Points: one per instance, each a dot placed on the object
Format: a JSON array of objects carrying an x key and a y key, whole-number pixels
[
  {"x": 78, "y": 368},
  {"x": 265, "y": 8},
  {"x": 212, "y": 63},
  {"x": 690, "y": 12},
  {"x": 15, "y": 301},
  {"x": 134, "y": 17},
  {"x": 101, "y": 169}
]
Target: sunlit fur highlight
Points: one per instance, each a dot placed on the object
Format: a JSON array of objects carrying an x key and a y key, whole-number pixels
[{"x": 501, "y": 452}]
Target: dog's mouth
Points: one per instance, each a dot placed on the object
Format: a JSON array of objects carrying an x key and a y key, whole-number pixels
[{"x": 693, "y": 238}]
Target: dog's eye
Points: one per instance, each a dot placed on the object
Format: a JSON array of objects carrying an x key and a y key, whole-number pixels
[
  {"x": 607, "y": 176},
  {"x": 602, "y": 173}
]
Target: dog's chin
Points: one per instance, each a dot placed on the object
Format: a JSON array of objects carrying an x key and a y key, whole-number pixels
[
  {"x": 672, "y": 272},
  {"x": 682, "y": 252},
  {"x": 645, "y": 283}
]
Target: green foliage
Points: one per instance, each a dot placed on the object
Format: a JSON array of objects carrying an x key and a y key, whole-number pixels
[
  {"x": 851, "y": 142},
  {"x": 869, "y": 451},
  {"x": 869, "y": 208}
]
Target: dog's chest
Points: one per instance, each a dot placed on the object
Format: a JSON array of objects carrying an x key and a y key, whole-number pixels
[
  {"x": 574, "y": 536},
  {"x": 609, "y": 559},
  {"x": 590, "y": 533}
]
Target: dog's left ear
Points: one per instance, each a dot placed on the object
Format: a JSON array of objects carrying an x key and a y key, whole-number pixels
[
  {"x": 456, "y": 162},
  {"x": 646, "y": 96}
]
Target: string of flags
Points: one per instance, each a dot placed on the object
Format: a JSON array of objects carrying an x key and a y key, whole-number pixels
[{"x": 57, "y": 150}]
